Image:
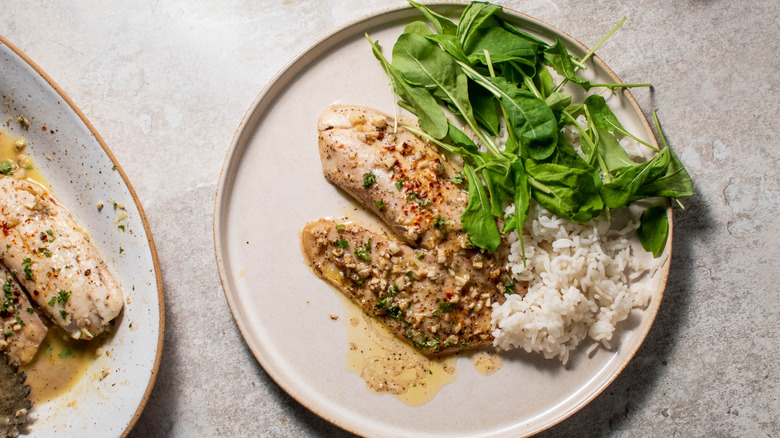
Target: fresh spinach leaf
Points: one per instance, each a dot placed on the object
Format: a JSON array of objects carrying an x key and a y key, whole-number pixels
[
  {"x": 472, "y": 18},
  {"x": 485, "y": 108},
  {"x": 442, "y": 24},
  {"x": 531, "y": 120},
  {"x": 600, "y": 114},
  {"x": 557, "y": 57},
  {"x": 423, "y": 63},
  {"x": 450, "y": 44},
  {"x": 654, "y": 230},
  {"x": 429, "y": 114},
  {"x": 477, "y": 221},
  {"x": 418, "y": 28},
  {"x": 674, "y": 182},
  {"x": 663, "y": 175},
  {"x": 500, "y": 183},
  {"x": 614, "y": 156},
  {"x": 502, "y": 45},
  {"x": 558, "y": 102},
  {"x": 568, "y": 192},
  {"x": 522, "y": 199}
]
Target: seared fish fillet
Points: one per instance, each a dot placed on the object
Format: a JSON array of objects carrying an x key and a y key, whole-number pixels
[
  {"x": 438, "y": 296},
  {"x": 408, "y": 290},
  {"x": 22, "y": 328},
  {"x": 53, "y": 258},
  {"x": 411, "y": 189}
]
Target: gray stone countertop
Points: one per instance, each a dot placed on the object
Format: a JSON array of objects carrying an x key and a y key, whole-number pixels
[{"x": 167, "y": 83}]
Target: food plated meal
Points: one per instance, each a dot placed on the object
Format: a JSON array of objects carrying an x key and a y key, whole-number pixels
[
  {"x": 388, "y": 166},
  {"x": 81, "y": 290}
]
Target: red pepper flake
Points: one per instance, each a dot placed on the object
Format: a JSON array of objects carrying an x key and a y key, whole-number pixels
[{"x": 43, "y": 128}]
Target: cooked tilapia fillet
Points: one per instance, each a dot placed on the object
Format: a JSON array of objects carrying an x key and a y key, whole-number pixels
[
  {"x": 423, "y": 297},
  {"x": 53, "y": 258},
  {"x": 22, "y": 328},
  {"x": 411, "y": 192}
]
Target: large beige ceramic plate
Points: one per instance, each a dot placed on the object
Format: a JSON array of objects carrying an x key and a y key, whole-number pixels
[
  {"x": 272, "y": 184},
  {"x": 82, "y": 172}
]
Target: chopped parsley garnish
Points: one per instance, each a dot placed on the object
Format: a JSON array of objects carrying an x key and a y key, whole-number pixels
[
  {"x": 458, "y": 178},
  {"x": 122, "y": 227},
  {"x": 6, "y": 168},
  {"x": 392, "y": 290},
  {"x": 368, "y": 179},
  {"x": 379, "y": 204},
  {"x": 46, "y": 236},
  {"x": 44, "y": 251},
  {"x": 340, "y": 227},
  {"x": 381, "y": 303},
  {"x": 440, "y": 170},
  {"x": 411, "y": 196},
  {"x": 363, "y": 253},
  {"x": 444, "y": 307},
  {"x": 409, "y": 275},
  {"x": 509, "y": 286},
  {"x": 28, "y": 274},
  {"x": 395, "y": 312},
  {"x": 400, "y": 184},
  {"x": 425, "y": 343},
  {"x": 438, "y": 222},
  {"x": 342, "y": 243},
  {"x": 424, "y": 203},
  {"x": 61, "y": 298},
  {"x": 420, "y": 255}
]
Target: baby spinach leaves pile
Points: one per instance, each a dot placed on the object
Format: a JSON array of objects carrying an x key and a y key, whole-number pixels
[{"x": 483, "y": 69}]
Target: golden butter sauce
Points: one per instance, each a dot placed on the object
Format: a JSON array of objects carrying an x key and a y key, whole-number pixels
[
  {"x": 59, "y": 365},
  {"x": 389, "y": 365},
  {"x": 486, "y": 363},
  {"x": 12, "y": 152}
]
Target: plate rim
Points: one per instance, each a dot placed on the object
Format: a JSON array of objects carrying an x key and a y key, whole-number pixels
[
  {"x": 147, "y": 228},
  {"x": 239, "y": 144}
]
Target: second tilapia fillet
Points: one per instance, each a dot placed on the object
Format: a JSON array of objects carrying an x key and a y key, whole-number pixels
[
  {"x": 53, "y": 258},
  {"x": 22, "y": 328},
  {"x": 406, "y": 289}
]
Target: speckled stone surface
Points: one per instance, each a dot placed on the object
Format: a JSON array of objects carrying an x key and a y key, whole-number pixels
[{"x": 167, "y": 83}]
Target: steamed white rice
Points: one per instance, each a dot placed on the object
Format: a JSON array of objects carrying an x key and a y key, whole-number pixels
[{"x": 580, "y": 279}]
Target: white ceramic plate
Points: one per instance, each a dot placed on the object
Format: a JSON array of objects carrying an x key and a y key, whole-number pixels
[
  {"x": 272, "y": 184},
  {"x": 82, "y": 172}
]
